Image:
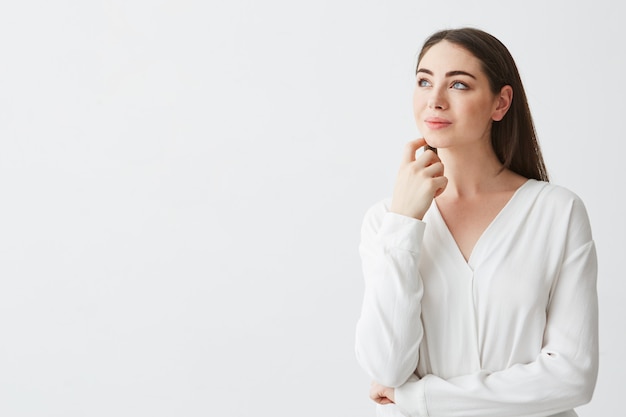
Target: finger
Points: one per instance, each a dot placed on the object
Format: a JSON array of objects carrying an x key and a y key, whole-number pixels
[
  {"x": 427, "y": 147},
  {"x": 440, "y": 184},
  {"x": 381, "y": 400},
  {"x": 411, "y": 148},
  {"x": 428, "y": 157},
  {"x": 434, "y": 170},
  {"x": 375, "y": 392}
]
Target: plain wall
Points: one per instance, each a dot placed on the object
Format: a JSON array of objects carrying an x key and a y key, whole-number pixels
[{"x": 182, "y": 185}]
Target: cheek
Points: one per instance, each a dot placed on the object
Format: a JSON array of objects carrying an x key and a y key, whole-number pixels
[
  {"x": 478, "y": 112},
  {"x": 482, "y": 114}
]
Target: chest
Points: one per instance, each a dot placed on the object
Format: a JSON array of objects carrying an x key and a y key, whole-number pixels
[{"x": 467, "y": 220}]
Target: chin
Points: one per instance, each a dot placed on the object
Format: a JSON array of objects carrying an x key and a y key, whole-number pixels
[
  {"x": 434, "y": 141},
  {"x": 438, "y": 139},
  {"x": 430, "y": 142}
]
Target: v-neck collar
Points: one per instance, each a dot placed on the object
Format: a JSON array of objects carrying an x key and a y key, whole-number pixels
[{"x": 470, "y": 262}]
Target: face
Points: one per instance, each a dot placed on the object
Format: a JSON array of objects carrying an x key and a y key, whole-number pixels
[{"x": 452, "y": 103}]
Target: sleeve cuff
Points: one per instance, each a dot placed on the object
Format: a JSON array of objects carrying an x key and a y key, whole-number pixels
[
  {"x": 401, "y": 232},
  {"x": 410, "y": 397}
]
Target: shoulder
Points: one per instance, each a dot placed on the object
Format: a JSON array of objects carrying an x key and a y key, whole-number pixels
[
  {"x": 562, "y": 207},
  {"x": 554, "y": 196},
  {"x": 551, "y": 190}
]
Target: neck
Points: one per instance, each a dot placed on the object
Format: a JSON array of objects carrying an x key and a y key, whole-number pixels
[{"x": 472, "y": 170}]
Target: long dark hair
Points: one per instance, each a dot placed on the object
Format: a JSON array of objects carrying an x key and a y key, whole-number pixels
[{"x": 513, "y": 138}]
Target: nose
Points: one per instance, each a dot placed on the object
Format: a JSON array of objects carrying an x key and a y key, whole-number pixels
[{"x": 437, "y": 101}]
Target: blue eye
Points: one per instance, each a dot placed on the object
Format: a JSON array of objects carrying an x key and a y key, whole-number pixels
[
  {"x": 459, "y": 85},
  {"x": 423, "y": 83}
]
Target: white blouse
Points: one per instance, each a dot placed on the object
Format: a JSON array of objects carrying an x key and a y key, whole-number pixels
[{"x": 513, "y": 331}]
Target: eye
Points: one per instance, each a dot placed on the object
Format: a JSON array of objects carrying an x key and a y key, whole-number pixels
[
  {"x": 458, "y": 85},
  {"x": 423, "y": 83}
]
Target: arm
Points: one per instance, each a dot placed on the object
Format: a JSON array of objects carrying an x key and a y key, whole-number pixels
[
  {"x": 389, "y": 329},
  {"x": 562, "y": 376}
]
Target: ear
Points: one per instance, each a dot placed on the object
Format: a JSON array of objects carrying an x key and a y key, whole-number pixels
[{"x": 503, "y": 102}]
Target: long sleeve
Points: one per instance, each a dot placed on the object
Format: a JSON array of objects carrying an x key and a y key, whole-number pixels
[
  {"x": 389, "y": 331},
  {"x": 561, "y": 377}
]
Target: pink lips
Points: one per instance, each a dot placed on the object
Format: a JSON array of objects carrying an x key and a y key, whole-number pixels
[{"x": 437, "y": 122}]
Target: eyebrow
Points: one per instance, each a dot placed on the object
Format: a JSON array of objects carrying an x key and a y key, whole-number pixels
[{"x": 448, "y": 74}]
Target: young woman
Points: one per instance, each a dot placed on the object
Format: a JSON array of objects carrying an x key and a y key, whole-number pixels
[{"x": 480, "y": 276}]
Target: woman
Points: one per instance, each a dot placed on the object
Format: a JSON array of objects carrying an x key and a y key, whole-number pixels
[{"x": 480, "y": 276}]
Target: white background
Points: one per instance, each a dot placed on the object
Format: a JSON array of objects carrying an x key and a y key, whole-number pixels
[{"x": 182, "y": 186}]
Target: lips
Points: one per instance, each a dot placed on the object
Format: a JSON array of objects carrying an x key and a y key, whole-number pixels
[{"x": 437, "y": 122}]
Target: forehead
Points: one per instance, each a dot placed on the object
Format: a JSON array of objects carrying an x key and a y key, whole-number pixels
[{"x": 446, "y": 56}]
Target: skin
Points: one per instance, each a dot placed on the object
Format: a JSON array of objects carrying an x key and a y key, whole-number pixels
[{"x": 454, "y": 109}]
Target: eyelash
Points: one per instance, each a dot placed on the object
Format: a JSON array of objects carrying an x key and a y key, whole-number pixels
[
  {"x": 423, "y": 80},
  {"x": 465, "y": 87}
]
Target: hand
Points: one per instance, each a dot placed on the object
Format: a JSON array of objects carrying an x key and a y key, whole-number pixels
[
  {"x": 382, "y": 394},
  {"x": 419, "y": 181}
]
